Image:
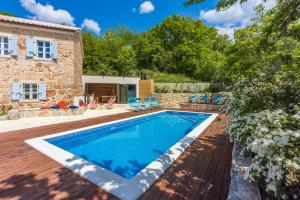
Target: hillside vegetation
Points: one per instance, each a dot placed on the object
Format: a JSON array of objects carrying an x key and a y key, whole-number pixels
[{"x": 179, "y": 45}]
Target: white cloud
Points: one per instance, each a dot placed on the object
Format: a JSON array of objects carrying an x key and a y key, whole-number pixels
[
  {"x": 91, "y": 25},
  {"x": 236, "y": 16},
  {"x": 47, "y": 13},
  {"x": 146, "y": 7},
  {"x": 226, "y": 31}
]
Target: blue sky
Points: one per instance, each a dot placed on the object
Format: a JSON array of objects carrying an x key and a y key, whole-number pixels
[{"x": 138, "y": 15}]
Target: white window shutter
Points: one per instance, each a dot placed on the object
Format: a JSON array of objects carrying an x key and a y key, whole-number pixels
[
  {"x": 54, "y": 50},
  {"x": 16, "y": 89},
  {"x": 42, "y": 91},
  {"x": 30, "y": 45},
  {"x": 13, "y": 46}
]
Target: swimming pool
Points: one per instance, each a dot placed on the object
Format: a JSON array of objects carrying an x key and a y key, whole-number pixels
[{"x": 126, "y": 156}]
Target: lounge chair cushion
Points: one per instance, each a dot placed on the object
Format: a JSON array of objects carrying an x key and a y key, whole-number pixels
[
  {"x": 73, "y": 107},
  {"x": 45, "y": 107},
  {"x": 62, "y": 104}
]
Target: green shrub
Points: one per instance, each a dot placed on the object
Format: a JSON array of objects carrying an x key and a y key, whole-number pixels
[
  {"x": 161, "y": 90},
  {"x": 265, "y": 120},
  {"x": 160, "y": 77}
]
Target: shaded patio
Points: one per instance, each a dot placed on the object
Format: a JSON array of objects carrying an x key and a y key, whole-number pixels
[{"x": 201, "y": 172}]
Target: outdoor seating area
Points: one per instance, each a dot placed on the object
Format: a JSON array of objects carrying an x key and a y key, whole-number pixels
[
  {"x": 62, "y": 108},
  {"x": 143, "y": 104},
  {"x": 203, "y": 102},
  {"x": 60, "y": 105},
  {"x": 206, "y": 99}
]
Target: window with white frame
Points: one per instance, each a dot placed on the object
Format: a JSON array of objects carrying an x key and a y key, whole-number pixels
[
  {"x": 43, "y": 49},
  {"x": 4, "y": 50},
  {"x": 30, "y": 91}
]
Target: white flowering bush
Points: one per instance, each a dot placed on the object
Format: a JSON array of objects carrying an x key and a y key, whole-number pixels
[
  {"x": 245, "y": 129},
  {"x": 265, "y": 119},
  {"x": 276, "y": 160}
]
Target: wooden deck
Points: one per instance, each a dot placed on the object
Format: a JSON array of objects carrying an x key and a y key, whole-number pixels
[{"x": 201, "y": 172}]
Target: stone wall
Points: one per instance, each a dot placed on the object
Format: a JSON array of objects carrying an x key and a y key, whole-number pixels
[
  {"x": 193, "y": 87},
  {"x": 174, "y": 99},
  {"x": 17, "y": 114},
  {"x": 63, "y": 77}
]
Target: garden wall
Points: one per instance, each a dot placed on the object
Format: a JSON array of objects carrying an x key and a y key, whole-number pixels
[
  {"x": 17, "y": 114},
  {"x": 174, "y": 99},
  {"x": 193, "y": 87}
]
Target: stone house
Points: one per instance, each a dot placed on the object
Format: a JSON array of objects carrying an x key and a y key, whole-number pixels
[{"x": 40, "y": 63}]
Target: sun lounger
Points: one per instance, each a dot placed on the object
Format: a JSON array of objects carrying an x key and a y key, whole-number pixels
[
  {"x": 204, "y": 99},
  {"x": 135, "y": 104},
  {"x": 192, "y": 99},
  {"x": 45, "y": 107},
  {"x": 62, "y": 104},
  {"x": 82, "y": 104},
  {"x": 216, "y": 98},
  {"x": 73, "y": 107},
  {"x": 93, "y": 105},
  {"x": 110, "y": 104},
  {"x": 154, "y": 103},
  {"x": 147, "y": 102}
]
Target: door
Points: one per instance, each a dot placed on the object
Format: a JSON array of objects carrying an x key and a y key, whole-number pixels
[
  {"x": 127, "y": 91},
  {"x": 123, "y": 98},
  {"x": 131, "y": 91}
]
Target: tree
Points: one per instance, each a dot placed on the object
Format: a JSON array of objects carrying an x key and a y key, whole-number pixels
[
  {"x": 285, "y": 13},
  {"x": 184, "y": 46},
  {"x": 126, "y": 61},
  {"x": 179, "y": 45},
  {"x": 94, "y": 56},
  {"x": 8, "y": 14}
]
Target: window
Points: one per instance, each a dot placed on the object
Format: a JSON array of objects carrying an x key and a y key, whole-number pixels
[
  {"x": 30, "y": 91},
  {"x": 4, "y": 46},
  {"x": 43, "y": 50},
  {"x": 131, "y": 87}
]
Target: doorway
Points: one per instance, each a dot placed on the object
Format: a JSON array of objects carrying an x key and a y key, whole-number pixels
[{"x": 127, "y": 91}]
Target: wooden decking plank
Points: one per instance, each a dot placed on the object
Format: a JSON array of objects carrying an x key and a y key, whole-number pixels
[
  {"x": 216, "y": 179},
  {"x": 44, "y": 184},
  {"x": 179, "y": 177},
  {"x": 198, "y": 171},
  {"x": 183, "y": 181},
  {"x": 197, "y": 176},
  {"x": 227, "y": 177},
  {"x": 202, "y": 175},
  {"x": 162, "y": 184}
]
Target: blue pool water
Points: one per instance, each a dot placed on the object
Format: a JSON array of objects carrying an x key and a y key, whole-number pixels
[{"x": 127, "y": 147}]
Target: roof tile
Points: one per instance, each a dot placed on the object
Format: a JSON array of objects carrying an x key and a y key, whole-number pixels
[{"x": 36, "y": 23}]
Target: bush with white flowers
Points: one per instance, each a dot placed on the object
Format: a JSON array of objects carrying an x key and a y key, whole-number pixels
[{"x": 266, "y": 121}]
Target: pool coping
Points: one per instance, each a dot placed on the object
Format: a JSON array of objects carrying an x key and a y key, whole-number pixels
[{"x": 109, "y": 181}]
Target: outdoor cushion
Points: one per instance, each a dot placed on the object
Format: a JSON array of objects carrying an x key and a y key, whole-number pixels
[
  {"x": 73, "y": 107},
  {"x": 81, "y": 104},
  {"x": 55, "y": 107},
  {"x": 62, "y": 104},
  {"x": 45, "y": 107}
]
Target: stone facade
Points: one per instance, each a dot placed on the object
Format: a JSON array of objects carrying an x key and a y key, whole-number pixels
[{"x": 63, "y": 77}]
